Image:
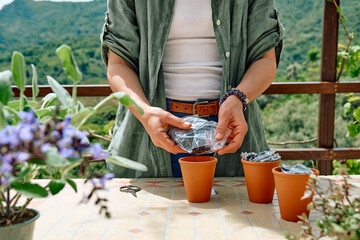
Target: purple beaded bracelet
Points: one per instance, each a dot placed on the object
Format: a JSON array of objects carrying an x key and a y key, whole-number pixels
[{"x": 237, "y": 93}]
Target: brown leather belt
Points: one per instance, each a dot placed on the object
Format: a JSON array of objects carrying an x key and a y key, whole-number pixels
[{"x": 201, "y": 108}]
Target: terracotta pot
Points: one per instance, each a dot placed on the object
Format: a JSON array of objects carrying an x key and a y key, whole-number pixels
[
  {"x": 290, "y": 188},
  {"x": 198, "y": 175},
  {"x": 260, "y": 180},
  {"x": 20, "y": 231}
]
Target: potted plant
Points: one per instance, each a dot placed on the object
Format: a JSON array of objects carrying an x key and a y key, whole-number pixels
[
  {"x": 290, "y": 189},
  {"x": 198, "y": 175},
  {"x": 259, "y": 177},
  {"x": 45, "y": 141},
  {"x": 339, "y": 219}
]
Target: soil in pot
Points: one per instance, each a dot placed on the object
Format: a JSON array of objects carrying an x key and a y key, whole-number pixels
[
  {"x": 22, "y": 228},
  {"x": 290, "y": 188},
  {"x": 260, "y": 180},
  {"x": 198, "y": 175}
]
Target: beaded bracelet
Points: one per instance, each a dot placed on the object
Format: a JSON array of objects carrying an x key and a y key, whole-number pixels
[{"x": 237, "y": 93}]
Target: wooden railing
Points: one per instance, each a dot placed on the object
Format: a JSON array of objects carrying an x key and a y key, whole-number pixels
[{"x": 327, "y": 88}]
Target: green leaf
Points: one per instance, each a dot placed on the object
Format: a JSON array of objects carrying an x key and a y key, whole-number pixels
[
  {"x": 337, "y": 228},
  {"x": 44, "y": 172},
  {"x": 353, "y": 99},
  {"x": 347, "y": 108},
  {"x": 54, "y": 159},
  {"x": 72, "y": 184},
  {"x": 14, "y": 114},
  {"x": 69, "y": 64},
  {"x": 307, "y": 194},
  {"x": 23, "y": 173},
  {"x": 6, "y": 92},
  {"x": 16, "y": 104},
  {"x": 3, "y": 121},
  {"x": 35, "y": 87},
  {"x": 127, "y": 163},
  {"x": 338, "y": 9},
  {"x": 18, "y": 70},
  {"x": 61, "y": 93},
  {"x": 42, "y": 112},
  {"x": 56, "y": 186},
  {"x": 78, "y": 119},
  {"x": 29, "y": 189},
  {"x": 356, "y": 114},
  {"x": 49, "y": 100},
  {"x": 352, "y": 130},
  {"x": 126, "y": 100}
]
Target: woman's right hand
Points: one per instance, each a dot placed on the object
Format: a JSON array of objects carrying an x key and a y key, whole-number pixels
[{"x": 155, "y": 121}]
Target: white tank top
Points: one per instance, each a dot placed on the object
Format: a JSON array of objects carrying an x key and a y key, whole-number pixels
[{"x": 192, "y": 64}]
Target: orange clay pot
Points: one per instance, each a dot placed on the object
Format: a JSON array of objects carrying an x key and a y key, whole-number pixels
[
  {"x": 260, "y": 180},
  {"x": 290, "y": 188},
  {"x": 198, "y": 175}
]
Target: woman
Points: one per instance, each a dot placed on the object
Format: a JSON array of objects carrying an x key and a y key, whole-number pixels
[{"x": 172, "y": 54}]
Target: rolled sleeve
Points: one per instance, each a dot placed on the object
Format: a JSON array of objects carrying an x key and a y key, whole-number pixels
[
  {"x": 265, "y": 31},
  {"x": 120, "y": 33}
]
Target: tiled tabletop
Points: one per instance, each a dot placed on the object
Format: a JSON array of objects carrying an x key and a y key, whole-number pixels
[{"x": 161, "y": 211}]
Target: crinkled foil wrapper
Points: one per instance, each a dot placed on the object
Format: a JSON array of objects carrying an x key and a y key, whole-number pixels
[{"x": 199, "y": 138}]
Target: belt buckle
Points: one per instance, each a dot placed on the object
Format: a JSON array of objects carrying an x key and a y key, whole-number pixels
[{"x": 199, "y": 103}]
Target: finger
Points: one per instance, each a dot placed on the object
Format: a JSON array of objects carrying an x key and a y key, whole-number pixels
[
  {"x": 177, "y": 122},
  {"x": 171, "y": 146},
  {"x": 222, "y": 127},
  {"x": 233, "y": 146}
]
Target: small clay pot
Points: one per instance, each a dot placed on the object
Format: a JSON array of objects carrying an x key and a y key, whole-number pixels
[
  {"x": 198, "y": 175},
  {"x": 260, "y": 180},
  {"x": 290, "y": 188}
]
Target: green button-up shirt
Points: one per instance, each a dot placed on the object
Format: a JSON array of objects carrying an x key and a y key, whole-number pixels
[{"x": 137, "y": 31}]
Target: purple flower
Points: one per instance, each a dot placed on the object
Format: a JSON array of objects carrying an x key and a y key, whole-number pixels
[
  {"x": 6, "y": 168},
  {"x": 7, "y": 158},
  {"x": 68, "y": 131},
  {"x": 100, "y": 183},
  {"x": 5, "y": 181},
  {"x": 64, "y": 143},
  {"x": 66, "y": 121},
  {"x": 69, "y": 152},
  {"x": 45, "y": 147},
  {"x": 28, "y": 117},
  {"x": 105, "y": 178},
  {"x": 22, "y": 156},
  {"x": 97, "y": 151},
  {"x": 9, "y": 135},
  {"x": 55, "y": 135},
  {"x": 26, "y": 133}
]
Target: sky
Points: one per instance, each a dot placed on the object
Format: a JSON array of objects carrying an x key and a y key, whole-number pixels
[{"x": 5, "y": 2}]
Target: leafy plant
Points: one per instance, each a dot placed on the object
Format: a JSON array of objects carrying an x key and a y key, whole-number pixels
[
  {"x": 44, "y": 139},
  {"x": 340, "y": 212},
  {"x": 353, "y": 166}
]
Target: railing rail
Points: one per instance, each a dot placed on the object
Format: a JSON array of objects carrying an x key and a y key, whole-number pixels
[{"x": 100, "y": 90}]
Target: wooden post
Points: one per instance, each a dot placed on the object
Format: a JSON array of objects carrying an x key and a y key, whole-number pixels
[{"x": 328, "y": 74}]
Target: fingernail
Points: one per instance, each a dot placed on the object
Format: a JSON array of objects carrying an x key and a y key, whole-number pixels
[
  {"x": 187, "y": 124},
  {"x": 219, "y": 136}
]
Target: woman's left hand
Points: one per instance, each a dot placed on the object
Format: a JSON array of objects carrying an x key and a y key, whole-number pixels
[{"x": 231, "y": 116}]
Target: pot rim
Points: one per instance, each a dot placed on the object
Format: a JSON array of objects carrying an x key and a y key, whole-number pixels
[
  {"x": 27, "y": 221},
  {"x": 210, "y": 161},
  {"x": 259, "y": 163},
  {"x": 276, "y": 171}
]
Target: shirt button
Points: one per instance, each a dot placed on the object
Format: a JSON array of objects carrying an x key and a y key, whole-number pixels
[
  {"x": 227, "y": 54},
  {"x": 218, "y": 22}
]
